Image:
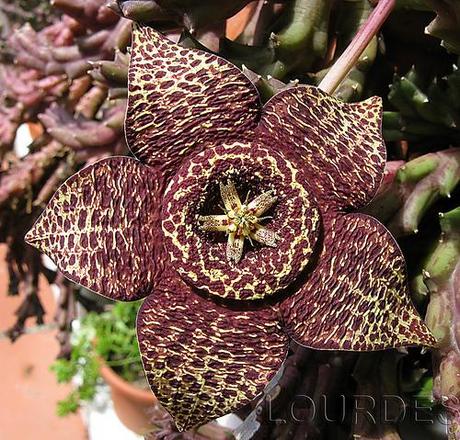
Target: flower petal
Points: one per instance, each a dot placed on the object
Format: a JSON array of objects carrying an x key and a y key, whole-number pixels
[
  {"x": 265, "y": 236},
  {"x": 235, "y": 246},
  {"x": 203, "y": 360},
  {"x": 340, "y": 144},
  {"x": 182, "y": 100},
  {"x": 357, "y": 297},
  {"x": 213, "y": 223},
  {"x": 102, "y": 229}
]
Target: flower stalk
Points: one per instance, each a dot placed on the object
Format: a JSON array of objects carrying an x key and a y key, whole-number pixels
[{"x": 352, "y": 53}]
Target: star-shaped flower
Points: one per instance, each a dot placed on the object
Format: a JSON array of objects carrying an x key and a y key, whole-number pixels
[{"x": 330, "y": 278}]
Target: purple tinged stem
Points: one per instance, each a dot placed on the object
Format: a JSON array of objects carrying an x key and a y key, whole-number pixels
[
  {"x": 114, "y": 72},
  {"x": 350, "y": 56},
  {"x": 91, "y": 102}
]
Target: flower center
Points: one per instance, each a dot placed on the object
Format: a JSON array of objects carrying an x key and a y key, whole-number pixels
[
  {"x": 229, "y": 268},
  {"x": 241, "y": 221}
]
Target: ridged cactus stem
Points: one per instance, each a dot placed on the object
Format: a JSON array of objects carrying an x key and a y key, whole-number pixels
[{"x": 91, "y": 102}]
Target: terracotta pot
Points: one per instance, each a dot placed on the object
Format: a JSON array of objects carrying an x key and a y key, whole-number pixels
[
  {"x": 132, "y": 405},
  {"x": 36, "y": 129},
  {"x": 237, "y": 23}
]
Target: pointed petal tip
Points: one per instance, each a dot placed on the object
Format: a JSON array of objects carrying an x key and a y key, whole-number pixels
[
  {"x": 99, "y": 251},
  {"x": 33, "y": 238},
  {"x": 38, "y": 235},
  {"x": 374, "y": 100},
  {"x": 29, "y": 238},
  {"x": 425, "y": 338},
  {"x": 379, "y": 313},
  {"x": 222, "y": 371},
  {"x": 417, "y": 334},
  {"x": 432, "y": 343}
]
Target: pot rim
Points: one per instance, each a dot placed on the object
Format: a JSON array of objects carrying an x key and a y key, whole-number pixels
[{"x": 116, "y": 381}]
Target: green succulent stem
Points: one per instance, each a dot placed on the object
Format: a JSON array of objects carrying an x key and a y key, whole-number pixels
[
  {"x": 427, "y": 107},
  {"x": 144, "y": 11},
  {"x": 441, "y": 277},
  {"x": 415, "y": 187},
  {"x": 114, "y": 72},
  {"x": 417, "y": 169},
  {"x": 303, "y": 39},
  {"x": 446, "y": 25},
  {"x": 450, "y": 222}
]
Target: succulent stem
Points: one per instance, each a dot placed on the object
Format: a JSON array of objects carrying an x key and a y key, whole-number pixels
[
  {"x": 352, "y": 53},
  {"x": 416, "y": 186},
  {"x": 441, "y": 276}
]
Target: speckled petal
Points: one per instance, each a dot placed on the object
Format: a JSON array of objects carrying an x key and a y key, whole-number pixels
[
  {"x": 214, "y": 223},
  {"x": 357, "y": 297},
  {"x": 340, "y": 144},
  {"x": 182, "y": 100},
  {"x": 235, "y": 246},
  {"x": 265, "y": 236},
  {"x": 203, "y": 360},
  {"x": 102, "y": 229}
]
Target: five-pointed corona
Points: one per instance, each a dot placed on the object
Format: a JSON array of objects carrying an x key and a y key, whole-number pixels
[{"x": 241, "y": 220}]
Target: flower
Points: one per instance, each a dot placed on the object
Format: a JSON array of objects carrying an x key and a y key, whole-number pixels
[{"x": 219, "y": 312}]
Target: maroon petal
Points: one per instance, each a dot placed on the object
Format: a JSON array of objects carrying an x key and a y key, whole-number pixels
[
  {"x": 203, "y": 360},
  {"x": 357, "y": 297},
  {"x": 182, "y": 100},
  {"x": 102, "y": 229},
  {"x": 340, "y": 144}
]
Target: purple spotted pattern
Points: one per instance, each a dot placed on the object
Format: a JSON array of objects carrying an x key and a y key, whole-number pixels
[
  {"x": 103, "y": 228},
  {"x": 171, "y": 108},
  {"x": 365, "y": 305}
]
